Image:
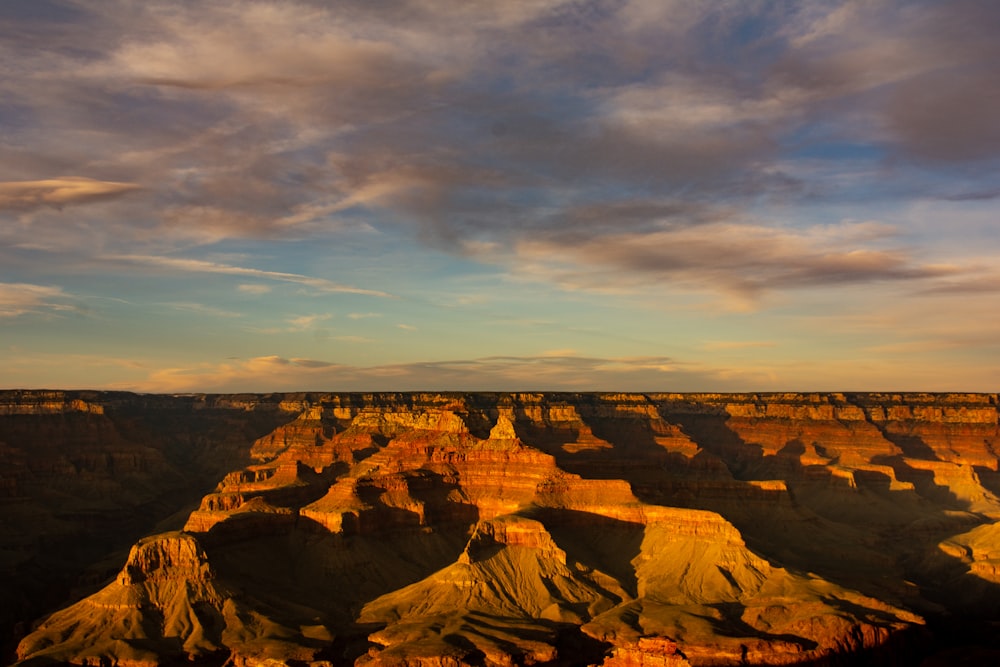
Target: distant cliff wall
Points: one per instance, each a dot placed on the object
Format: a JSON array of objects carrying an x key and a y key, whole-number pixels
[{"x": 448, "y": 528}]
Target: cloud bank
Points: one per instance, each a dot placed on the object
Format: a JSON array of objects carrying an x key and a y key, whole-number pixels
[{"x": 693, "y": 157}]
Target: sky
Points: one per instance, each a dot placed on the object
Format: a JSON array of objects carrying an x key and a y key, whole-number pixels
[{"x": 636, "y": 195}]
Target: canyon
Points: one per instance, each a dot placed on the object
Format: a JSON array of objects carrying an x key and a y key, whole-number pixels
[{"x": 499, "y": 529}]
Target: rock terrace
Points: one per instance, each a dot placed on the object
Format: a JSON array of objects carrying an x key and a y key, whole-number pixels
[{"x": 521, "y": 529}]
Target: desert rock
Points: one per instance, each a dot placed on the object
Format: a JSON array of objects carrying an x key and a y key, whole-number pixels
[{"x": 570, "y": 529}]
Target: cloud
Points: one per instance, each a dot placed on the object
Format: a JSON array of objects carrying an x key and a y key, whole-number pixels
[
  {"x": 203, "y": 309},
  {"x": 641, "y": 145},
  {"x": 909, "y": 365},
  {"x": 949, "y": 116},
  {"x": 941, "y": 321},
  {"x": 977, "y": 282},
  {"x": 565, "y": 352},
  {"x": 303, "y": 322},
  {"x": 22, "y": 298},
  {"x": 292, "y": 113},
  {"x": 470, "y": 299},
  {"x": 59, "y": 192},
  {"x": 973, "y": 195},
  {"x": 254, "y": 288},
  {"x": 354, "y": 339},
  {"x": 295, "y": 111},
  {"x": 202, "y": 266},
  {"x": 909, "y": 371},
  {"x": 566, "y": 372},
  {"x": 928, "y": 69},
  {"x": 67, "y": 370},
  {"x": 742, "y": 260}
]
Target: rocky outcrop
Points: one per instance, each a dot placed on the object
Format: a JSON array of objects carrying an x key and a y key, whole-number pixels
[
  {"x": 160, "y": 606},
  {"x": 85, "y": 474},
  {"x": 647, "y": 652},
  {"x": 45, "y": 403},
  {"x": 527, "y": 528}
]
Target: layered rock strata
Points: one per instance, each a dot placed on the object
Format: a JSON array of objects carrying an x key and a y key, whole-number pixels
[
  {"x": 560, "y": 529},
  {"x": 85, "y": 474}
]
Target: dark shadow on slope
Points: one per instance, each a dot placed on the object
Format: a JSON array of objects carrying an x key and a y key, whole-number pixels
[
  {"x": 479, "y": 419},
  {"x": 577, "y": 648},
  {"x": 438, "y": 494},
  {"x": 633, "y": 455},
  {"x": 506, "y": 631},
  {"x": 303, "y": 572},
  {"x": 429, "y": 488},
  {"x": 877, "y": 550},
  {"x": 963, "y": 641},
  {"x": 710, "y": 432},
  {"x": 363, "y": 453},
  {"x": 912, "y": 446},
  {"x": 626, "y": 435},
  {"x": 147, "y": 463},
  {"x": 548, "y": 438},
  {"x": 380, "y": 519},
  {"x": 472, "y": 656},
  {"x": 309, "y": 486},
  {"x": 949, "y": 583},
  {"x": 731, "y": 624},
  {"x": 350, "y": 644},
  {"x": 989, "y": 478},
  {"x": 923, "y": 482},
  {"x": 855, "y": 493},
  {"x": 595, "y": 542},
  {"x": 573, "y": 647}
]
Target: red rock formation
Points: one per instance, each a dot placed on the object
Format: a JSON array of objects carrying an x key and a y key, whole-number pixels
[
  {"x": 503, "y": 529},
  {"x": 85, "y": 474},
  {"x": 647, "y": 652}
]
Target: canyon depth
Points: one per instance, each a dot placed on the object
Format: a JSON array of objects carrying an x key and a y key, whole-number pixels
[{"x": 499, "y": 529}]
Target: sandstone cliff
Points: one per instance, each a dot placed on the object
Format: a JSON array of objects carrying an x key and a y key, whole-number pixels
[
  {"x": 85, "y": 474},
  {"x": 545, "y": 529}
]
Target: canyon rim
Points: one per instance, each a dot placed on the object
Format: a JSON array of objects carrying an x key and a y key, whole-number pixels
[{"x": 452, "y": 529}]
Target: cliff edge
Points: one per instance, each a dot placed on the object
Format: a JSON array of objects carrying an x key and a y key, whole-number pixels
[{"x": 538, "y": 529}]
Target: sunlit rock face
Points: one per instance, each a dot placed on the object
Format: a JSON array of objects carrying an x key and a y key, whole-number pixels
[
  {"x": 539, "y": 529},
  {"x": 83, "y": 475}
]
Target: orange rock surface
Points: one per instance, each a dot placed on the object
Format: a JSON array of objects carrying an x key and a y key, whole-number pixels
[{"x": 536, "y": 529}]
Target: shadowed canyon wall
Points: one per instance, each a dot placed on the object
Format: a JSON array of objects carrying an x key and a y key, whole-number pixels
[{"x": 500, "y": 529}]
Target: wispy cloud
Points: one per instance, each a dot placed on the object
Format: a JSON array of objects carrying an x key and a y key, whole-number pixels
[
  {"x": 68, "y": 370},
  {"x": 564, "y": 372},
  {"x": 354, "y": 339},
  {"x": 973, "y": 282},
  {"x": 693, "y": 155},
  {"x": 303, "y": 322},
  {"x": 202, "y": 266},
  {"x": 488, "y": 373},
  {"x": 23, "y": 298},
  {"x": 742, "y": 260},
  {"x": 255, "y": 288},
  {"x": 203, "y": 309},
  {"x": 393, "y": 110},
  {"x": 59, "y": 192}
]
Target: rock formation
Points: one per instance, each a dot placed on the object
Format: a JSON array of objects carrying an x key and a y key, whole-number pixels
[
  {"x": 83, "y": 475},
  {"x": 536, "y": 529}
]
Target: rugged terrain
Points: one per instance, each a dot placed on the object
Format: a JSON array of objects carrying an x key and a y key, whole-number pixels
[{"x": 504, "y": 529}]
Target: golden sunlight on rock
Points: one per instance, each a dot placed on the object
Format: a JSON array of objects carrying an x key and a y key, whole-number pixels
[{"x": 619, "y": 530}]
